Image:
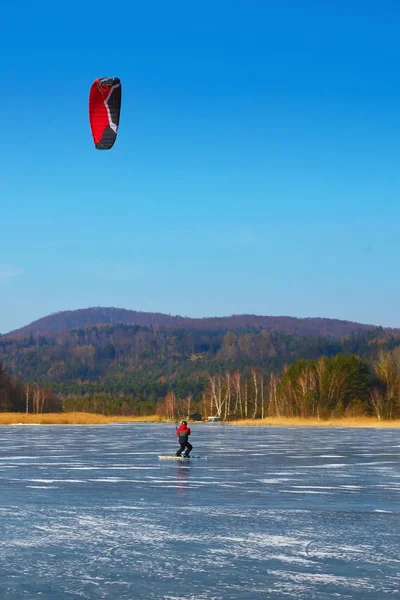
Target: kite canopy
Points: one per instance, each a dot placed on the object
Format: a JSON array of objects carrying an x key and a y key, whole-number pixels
[{"x": 104, "y": 111}]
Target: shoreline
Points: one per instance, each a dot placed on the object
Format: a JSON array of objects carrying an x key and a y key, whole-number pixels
[
  {"x": 78, "y": 418},
  {"x": 73, "y": 418},
  {"x": 350, "y": 422}
]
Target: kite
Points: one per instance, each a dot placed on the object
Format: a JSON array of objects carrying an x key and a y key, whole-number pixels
[{"x": 104, "y": 111}]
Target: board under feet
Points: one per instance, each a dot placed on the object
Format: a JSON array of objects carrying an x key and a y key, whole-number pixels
[{"x": 172, "y": 457}]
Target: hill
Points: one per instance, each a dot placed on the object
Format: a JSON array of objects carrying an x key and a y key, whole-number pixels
[
  {"x": 78, "y": 319},
  {"x": 115, "y": 356},
  {"x": 144, "y": 362},
  {"x": 85, "y": 317},
  {"x": 137, "y": 369}
]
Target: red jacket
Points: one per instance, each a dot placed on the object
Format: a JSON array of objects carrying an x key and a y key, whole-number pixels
[{"x": 183, "y": 433}]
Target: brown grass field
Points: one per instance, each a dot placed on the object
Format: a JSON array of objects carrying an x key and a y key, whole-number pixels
[
  {"x": 71, "y": 418},
  {"x": 80, "y": 418}
]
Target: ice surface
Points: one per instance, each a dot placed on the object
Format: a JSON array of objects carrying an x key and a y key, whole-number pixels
[{"x": 90, "y": 512}]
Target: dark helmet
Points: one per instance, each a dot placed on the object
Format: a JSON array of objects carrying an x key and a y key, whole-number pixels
[{"x": 184, "y": 423}]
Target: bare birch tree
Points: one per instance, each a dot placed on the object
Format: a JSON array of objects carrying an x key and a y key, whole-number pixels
[
  {"x": 262, "y": 395},
  {"x": 237, "y": 386},
  {"x": 255, "y": 384},
  {"x": 228, "y": 394},
  {"x": 216, "y": 393},
  {"x": 377, "y": 402},
  {"x": 273, "y": 405}
]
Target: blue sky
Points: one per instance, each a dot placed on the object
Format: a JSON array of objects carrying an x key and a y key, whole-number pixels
[{"x": 257, "y": 165}]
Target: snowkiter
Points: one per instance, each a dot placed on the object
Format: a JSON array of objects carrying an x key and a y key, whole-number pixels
[{"x": 183, "y": 432}]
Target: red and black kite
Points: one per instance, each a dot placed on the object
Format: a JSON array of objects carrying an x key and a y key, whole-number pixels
[{"x": 104, "y": 111}]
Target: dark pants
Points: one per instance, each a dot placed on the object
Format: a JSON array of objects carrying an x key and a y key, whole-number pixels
[{"x": 188, "y": 447}]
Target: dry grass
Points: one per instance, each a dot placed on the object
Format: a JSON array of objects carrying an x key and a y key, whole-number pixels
[
  {"x": 72, "y": 418},
  {"x": 80, "y": 418},
  {"x": 298, "y": 422}
]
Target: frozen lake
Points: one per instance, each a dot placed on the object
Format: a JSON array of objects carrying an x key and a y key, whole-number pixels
[{"x": 273, "y": 513}]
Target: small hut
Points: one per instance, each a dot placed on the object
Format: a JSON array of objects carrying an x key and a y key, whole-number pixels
[{"x": 196, "y": 417}]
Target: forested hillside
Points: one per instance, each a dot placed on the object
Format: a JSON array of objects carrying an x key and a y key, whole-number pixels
[
  {"x": 138, "y": 366},
  {"x": 125, "y": 358},
  {"x": 75, "y": 319}
]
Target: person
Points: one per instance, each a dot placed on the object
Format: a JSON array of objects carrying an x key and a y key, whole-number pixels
[{"x": 183, "y": 432}]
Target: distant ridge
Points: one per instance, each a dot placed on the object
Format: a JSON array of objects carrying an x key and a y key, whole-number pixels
[{"x": 87, "y": 317}]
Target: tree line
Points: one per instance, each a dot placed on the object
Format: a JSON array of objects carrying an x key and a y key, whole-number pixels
[
  {"x": 335, "y": 387},
  {"x": 249, "y": 373}
]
